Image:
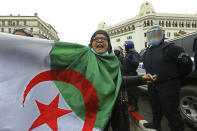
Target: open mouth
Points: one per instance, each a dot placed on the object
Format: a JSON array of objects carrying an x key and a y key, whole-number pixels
[{"x": 100, "y": 46}]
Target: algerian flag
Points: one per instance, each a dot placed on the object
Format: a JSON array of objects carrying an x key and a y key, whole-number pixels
[{"x": 59, "y": 86}]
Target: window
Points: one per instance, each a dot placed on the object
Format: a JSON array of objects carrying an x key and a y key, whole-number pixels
[
  {"x": 183, "y": 24},
  {"x": 129, "y": 37},
  {"x": 151, "y": 23},
  {"x": 144, "y": 23},
  {"x": 10, "y": 30},
  {"x": 148, "y": 23},
  {"x": 188, "y": 24},
  {"x": 162, "y": 24},
  {"x": 194, "y": 25},
  {"x": 174, "y": 24},
  {"x": 3, "y": 22},
  {"x": 129, "y": 28},
  {"x": 122, "y": 30},
  {"x": 168, "y": 34},
  {"x": 17, "y": 22},
  {"x": 180, "y": 25},
  {"x": 145, "y": 44},
  {"x": 9, "y": 22},
  {"x": 144, "y": 34},
  {"x": 2, "y": 29},
  {"x": 133, "y": 27},
  {"x": 167, "y": 25},
  {"x": 117, "y": 40},
  {"x": 25, "y": 22}
]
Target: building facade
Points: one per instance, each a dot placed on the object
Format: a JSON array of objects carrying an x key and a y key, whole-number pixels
[
  {"x": 34, "y": 24},
  {"x": 135, "y": 29}
]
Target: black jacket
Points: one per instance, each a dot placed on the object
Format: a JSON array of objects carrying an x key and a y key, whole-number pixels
[
  {"x": 132, "y": 80},
  {"x": 131, "y": 63},
  {"x": 164, "y": 61},
  {"x": 120, "y": 118}
]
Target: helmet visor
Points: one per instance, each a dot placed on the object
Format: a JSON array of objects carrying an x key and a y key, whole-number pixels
[{"x": 155, "y": 34}]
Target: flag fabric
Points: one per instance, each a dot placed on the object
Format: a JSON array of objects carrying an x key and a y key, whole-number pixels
[{"x": 50, "y": 85}]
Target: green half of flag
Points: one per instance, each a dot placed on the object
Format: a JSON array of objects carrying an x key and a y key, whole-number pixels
[{"x": 102, "y": 71}]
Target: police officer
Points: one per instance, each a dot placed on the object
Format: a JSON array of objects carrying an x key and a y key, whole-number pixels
[
  {"x": 166, "y": 61},
  {"x": 130, "y": 65}
]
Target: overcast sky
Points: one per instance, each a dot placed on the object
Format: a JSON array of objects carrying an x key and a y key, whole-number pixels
[{"x": 76, "y": 20}]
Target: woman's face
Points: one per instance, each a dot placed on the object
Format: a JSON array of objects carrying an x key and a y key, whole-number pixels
[{"x": 100, "y": 44}]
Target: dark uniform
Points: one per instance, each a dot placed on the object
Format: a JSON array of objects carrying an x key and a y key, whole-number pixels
[
  {"x": 130, "y": 65},
  {"x": 165, "y": 61},
  {"x": 120, "y": 117}
]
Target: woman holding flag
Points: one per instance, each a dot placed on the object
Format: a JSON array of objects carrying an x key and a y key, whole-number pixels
[
  {"x": 60, "y": 85},
  {"x": 100, "y": 45}
]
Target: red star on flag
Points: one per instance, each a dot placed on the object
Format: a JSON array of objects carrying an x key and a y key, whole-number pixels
[{"x": 49, "y": 114}]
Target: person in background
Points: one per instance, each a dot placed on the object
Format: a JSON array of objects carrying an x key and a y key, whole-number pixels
[
  {"x": 130, "y": 65},
  {"x": 169, "y": 63},
  {"x": 121, "y": 50},
  {"x": 118, "y": 53},
  {"x": 22, "y": 32}
]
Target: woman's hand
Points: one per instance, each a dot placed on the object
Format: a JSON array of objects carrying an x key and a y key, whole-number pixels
[{"x": 148, "y": 78}]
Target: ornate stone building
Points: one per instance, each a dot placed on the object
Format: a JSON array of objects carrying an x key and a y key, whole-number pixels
[
  {"x": 34, "y": 24},
  {"x": 135, "y": 28}
]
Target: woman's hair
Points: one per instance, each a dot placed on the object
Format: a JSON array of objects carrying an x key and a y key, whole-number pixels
[{"x": 106, "y": 35}]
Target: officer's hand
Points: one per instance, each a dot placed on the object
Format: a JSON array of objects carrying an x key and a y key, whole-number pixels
[{"x": 148, "y": 78}]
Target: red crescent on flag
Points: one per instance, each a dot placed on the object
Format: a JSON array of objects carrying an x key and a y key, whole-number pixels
[{"x": 79, "y": 81}]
